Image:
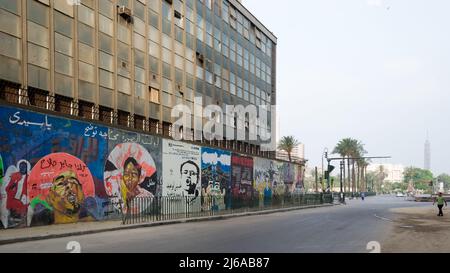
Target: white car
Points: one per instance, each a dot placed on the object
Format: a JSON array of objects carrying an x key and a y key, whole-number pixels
[{"x": 399, "y": 194}]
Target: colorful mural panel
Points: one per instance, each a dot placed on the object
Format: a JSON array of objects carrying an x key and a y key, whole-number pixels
[
  {"x": 181, "y": 169},
  {"x": 61, "y": 190},
  {"x": 216, "y": 177},
  {"x": 133, "y": 168},
  {"x": 264, "y": 175},
  {"x": 57, "y": 170},
  {"x": 242, "y": 177},
  {"x": 26, "y": 137}
]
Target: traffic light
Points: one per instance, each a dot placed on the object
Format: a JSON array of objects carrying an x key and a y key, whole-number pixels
[
  {"x": 330, "y": 168},
  {"x": 327, "y": 172}
]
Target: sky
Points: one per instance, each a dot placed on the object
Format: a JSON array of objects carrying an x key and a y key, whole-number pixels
[{"x": 374, "y": 70}]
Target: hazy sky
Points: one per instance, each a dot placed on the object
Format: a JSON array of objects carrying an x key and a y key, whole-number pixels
[{"x": 374, "y": 70}]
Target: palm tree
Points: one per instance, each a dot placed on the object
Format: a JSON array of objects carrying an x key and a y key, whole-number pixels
[
  {"x": 344, "y": 148},
  {"x": 350, "y": 148},
  {"x": 357, "y": 152},
  {"x": 380, "y": 175},
  {"x": 287, "y": 144},
  {"x": 362, "y": 165}
]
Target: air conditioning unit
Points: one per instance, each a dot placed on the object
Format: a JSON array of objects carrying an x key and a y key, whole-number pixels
[
  {"x": 125, "y": 13},
  {"x": 122, "y": 10}
]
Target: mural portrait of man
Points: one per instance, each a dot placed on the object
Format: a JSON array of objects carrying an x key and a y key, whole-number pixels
[
  {"x": 64, "y": 203},
  {"x": 190, "y": 176}
]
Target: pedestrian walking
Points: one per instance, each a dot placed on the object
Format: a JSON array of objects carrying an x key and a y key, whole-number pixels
[
  {"x": 362, "y": 196},
  {"x": 440, "y": 202}
]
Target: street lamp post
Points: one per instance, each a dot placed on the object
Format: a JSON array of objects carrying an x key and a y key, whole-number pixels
[
  {"x": 341, "y": 195},
  {"x": 324, "y": 154}
]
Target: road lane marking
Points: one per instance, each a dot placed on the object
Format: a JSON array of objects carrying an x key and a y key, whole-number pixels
[{"x": 382, "y": 218}]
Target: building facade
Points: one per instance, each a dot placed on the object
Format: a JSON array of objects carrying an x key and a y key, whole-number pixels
[
  {"x": 394, "y": 172},
  {"x": 297, "y": 155},
  {"x": 129, "y": 62}
]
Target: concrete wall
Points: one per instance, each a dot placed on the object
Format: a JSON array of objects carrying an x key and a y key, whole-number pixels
[{"x": 57, "y": 170}]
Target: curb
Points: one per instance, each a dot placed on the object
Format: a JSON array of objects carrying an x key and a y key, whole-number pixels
[{"x": 152, "y": 224}]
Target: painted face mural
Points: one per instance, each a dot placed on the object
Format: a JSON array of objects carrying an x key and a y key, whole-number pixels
[
  {"x": 32, "y": 136},
  {"x": 190, "y": 176},
  {"x": 181, "y": 169},
  {"x": 130, "y": 172},
  {"x": 14, "y": 200},
  {"x": 61, "y": 190}
]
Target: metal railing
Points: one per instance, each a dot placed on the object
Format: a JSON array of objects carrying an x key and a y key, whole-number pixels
[{"x": 154, "y": 209}]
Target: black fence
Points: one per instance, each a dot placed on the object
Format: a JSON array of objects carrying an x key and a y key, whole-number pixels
[{"x": 154, "y": 209}]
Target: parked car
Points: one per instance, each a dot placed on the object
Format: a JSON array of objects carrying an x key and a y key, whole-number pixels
[{"x": 400, "y": 194}]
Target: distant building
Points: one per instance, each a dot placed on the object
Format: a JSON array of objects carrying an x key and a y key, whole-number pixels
[
  {"x": 394, "y": 172},
  {"x": 297, "y": 155}
]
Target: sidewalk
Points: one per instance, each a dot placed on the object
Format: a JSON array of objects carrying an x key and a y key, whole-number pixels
[
  {"x": 418, "y": 230},
  {"x": 10, "y": 236}
]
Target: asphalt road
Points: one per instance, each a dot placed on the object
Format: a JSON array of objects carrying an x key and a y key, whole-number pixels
[{"x": 347, "y": 228}]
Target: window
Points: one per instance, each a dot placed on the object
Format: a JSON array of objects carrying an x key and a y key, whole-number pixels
[
  {"x": 106, "y": 25},
  {"x": 10, "y": 23},
  {"x": 11, "y": 46},
  {"x": 105, "y": 43},
  {"x": 86, "y": 15},
  {"x": 123, "y": 85},
  {"x": 12, "y": 6},
  {"x": 86, "y": 72},
  {"x": 106, "y": 61},
  {"x": 63, "y": 64},
  {"x": 106, "y": 79},
  {"x": 106, "y": 8},
  {"x": 39, "y": 14},
  {"x": 154, "y": 95},
  {"x": 38, "y": 55},
  {"x": 86, "y": 53},
  {"x": 85, "y": 34},
  {"x": 63, "y": 24}
]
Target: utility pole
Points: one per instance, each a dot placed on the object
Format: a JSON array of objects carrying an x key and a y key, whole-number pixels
[
  {"x": 317, "y": 186},
  {"x": 341, "y": 194}
]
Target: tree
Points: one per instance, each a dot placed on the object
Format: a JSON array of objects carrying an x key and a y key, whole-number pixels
[
  {"x": 287, "y": 144},
  {"x": 344, "y": 149},
  {"x": 445, "y": 178},
  {"x": 380, "y": 176},
  {"x": 350, "y": 148},
  {"x": 420, "y": 178}
]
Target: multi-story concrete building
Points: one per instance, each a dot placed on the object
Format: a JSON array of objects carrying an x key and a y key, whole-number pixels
[
  {"x": 394, "y": 172},
  {"x": 128, "y": 62},
  {"x": 297, "y": 155}
]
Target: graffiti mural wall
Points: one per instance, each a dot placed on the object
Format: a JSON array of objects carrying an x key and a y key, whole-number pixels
[
  {"x": 26, "y": 138},
  {"x": 133, "y": 168},
  {"x": 216, "y": 178},
  {"x": 61, "y": 190},
  {"x": 181, "y": 172},
  {"x": 55, "y": 170},
  {"x": 242, "y": 177},
  {"x": 265, "y": 173}
]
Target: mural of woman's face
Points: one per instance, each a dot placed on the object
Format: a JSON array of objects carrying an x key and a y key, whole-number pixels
[{"x": 131, "y": 176}]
